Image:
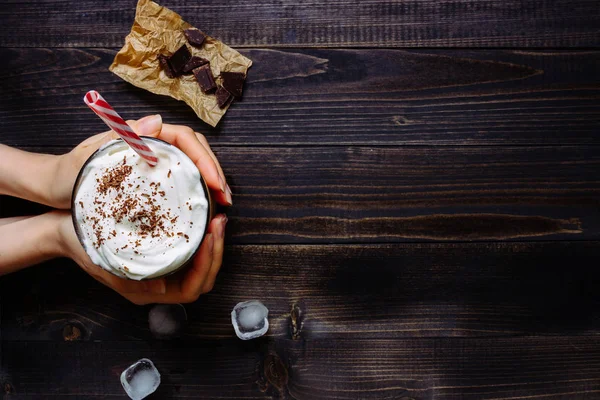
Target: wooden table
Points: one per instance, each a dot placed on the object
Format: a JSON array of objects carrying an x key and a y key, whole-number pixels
[{"x": 417, "y": 201}]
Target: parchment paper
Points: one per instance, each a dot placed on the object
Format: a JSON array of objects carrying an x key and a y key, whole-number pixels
[{"x": 158, "y": 30}]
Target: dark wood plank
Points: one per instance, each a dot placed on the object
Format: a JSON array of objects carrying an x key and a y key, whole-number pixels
[
  {"x": 424, "y": 369},
  {"x": 385, "y": 23},
  {"x": 383, "y": 194},
  {"x": 328, "y": 97},
  {"x": 361, "y": 291}
]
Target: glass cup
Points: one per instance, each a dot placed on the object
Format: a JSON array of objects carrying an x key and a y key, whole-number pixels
[{"x": 88, "y": 215}]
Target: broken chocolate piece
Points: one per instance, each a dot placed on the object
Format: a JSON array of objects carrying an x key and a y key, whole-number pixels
[
  {"x": 164, "y": 64},
  {"x": 233, "y": 82},
  {"x": 195, "y": 36},
  {"x": 205, "y": 78},
  {"x": 194, "y": 62},
  {"x": 178, "y": 60},
  {"x": 223, "y": 97}
]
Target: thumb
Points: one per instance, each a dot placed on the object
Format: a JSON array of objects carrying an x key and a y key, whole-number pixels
[{"x": 150, "y": 125}]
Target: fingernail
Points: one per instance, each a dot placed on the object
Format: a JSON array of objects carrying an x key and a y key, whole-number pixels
[
  {"x": 146, "y": 118},
  {"x": 224, "y": 220},
  {"x": 228, "y": 196},
  {"x": 149, "y": 125},
  {"x": 211, "y": 242},
  {"x": 221, "y": 184}
]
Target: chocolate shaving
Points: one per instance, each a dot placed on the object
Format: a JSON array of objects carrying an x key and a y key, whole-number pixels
[
  {"x": 114, "y": 178},
  {"x": 143, "y": 210}
]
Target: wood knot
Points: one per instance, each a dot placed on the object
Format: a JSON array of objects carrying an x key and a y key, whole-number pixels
[
  {"x": 71, "y": 333},
  {"x": 401, "y": 120},
  {"x": 8, "y": 389},
  {"x": 275, "y": 372},
  {"x": 296, "y": 321}
]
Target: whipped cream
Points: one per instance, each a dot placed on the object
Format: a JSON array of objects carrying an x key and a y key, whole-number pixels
[{"x": 135, "y": 220}]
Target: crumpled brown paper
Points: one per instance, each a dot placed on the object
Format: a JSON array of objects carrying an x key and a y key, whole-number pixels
[{"x": 158, "y": 30}]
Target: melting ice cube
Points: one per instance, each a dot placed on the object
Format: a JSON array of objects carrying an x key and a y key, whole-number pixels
[
  {"x": 249, "y": 319},
  {"x": 167, "y": 321},
  {"x": 140, "y": 379}
]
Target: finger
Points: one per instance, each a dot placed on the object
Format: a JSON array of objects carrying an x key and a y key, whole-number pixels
[
  {"x": 150, "y": 125},
  {"x": 91, "y": 144},
  {"x": 202, "y": 139},
  {"x": 121, "y": 285},
  {"x": 185, "y": 138},
  {"x": 147, "y": 126},
  {"x": 10, "y": 220},
  {"x": 183, "y": 288},
  {"x": 217, "y": 227},
  {"x": 129, "y": 287},
  {"x": 193, "y": 283},
  {"x": 204, "y": 142}
]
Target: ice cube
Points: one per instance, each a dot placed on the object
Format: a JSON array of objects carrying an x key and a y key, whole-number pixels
[
  {"x": 167, "y": 321},
  {"x": 249, "y": 319},
  {"x": 140, "y": 379}
]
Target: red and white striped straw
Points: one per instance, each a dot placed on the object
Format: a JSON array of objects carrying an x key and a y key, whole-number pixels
[{"x": 118, "y": 124}]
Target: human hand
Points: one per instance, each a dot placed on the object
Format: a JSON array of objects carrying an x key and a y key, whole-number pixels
[
  {"x": 49, "y": 180},
  {"x": 192, "y": 143},
  {"x": 181, "y": 287}
]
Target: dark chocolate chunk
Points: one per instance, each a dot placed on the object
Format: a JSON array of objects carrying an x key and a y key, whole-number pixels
[
  {"x": 164, "y": 64},
  {"x": 205, "y": 78},
  {"x": 178, "y": 60},
  {"x": 195, "y": 37},
  {"x": 194, "y": 62},
  {"x": 233, "y": 82},
  {"x": 223, "y": 97}
]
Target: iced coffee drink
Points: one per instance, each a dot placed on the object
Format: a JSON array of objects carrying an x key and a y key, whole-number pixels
[{"x": 138, "y": 221}]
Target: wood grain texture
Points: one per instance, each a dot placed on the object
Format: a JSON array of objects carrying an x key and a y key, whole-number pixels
[
  {"x": 328, "y": 97},
  {"x": 383, "y": 194},
  {"x": 406, "y": 369},
  {"x": 340, "y": 291},
  {"x": 423, "y": 223},
  {"x": 385, "y": 23}
]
